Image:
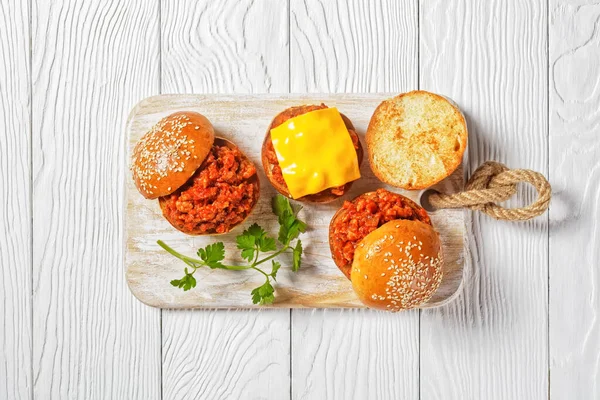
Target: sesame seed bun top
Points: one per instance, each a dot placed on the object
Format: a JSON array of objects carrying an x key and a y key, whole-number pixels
[
  {"x": 169, "y": 154},
  {"x": 398, "y": 266},
  {"x": 416, "y": 139}
]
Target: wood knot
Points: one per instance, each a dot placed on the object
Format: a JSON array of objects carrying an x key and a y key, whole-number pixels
[{"x": 492, "y": 183}]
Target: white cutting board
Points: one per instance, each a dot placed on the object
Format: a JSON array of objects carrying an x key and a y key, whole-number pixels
[{"x": 244, "y": 120}]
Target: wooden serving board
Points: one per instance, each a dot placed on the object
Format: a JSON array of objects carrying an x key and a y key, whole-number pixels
[{"x": 244, "y": 119}]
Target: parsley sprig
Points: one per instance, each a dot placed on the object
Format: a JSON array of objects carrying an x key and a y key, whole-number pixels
[{"x": 252, "y": 242}]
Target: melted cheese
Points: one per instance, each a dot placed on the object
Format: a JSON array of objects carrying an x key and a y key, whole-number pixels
[{"x": 315, "y": 152}]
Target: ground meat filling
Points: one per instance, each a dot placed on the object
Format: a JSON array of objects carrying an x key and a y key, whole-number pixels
[
  {"x": 272, "y": 156},
  {"x": 219, "y": 196},
  {"x": 362, "y": 216}
]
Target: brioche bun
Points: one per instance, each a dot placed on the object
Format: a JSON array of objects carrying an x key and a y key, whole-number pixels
[
  {"x": 169, "y": 154},
  {"x": 398, "y": 266},
  {"x": 270, "y": 163},
  {"x": 416, "y": 139}
]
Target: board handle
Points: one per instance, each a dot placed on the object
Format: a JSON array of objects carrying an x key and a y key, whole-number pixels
[{"x": 491, "y": 183}]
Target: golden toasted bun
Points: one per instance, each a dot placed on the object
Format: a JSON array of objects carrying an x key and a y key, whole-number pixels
[
  {"x": 325, "y": 196},
  {"x": 398, "y": 266},
  {"x": 162, "y": 201},
  {"x": 416, "y": 139},
  {"x": 169, "y": 154}
]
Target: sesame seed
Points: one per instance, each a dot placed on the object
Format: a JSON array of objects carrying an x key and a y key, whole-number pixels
[{"x": 366, "y": 277}]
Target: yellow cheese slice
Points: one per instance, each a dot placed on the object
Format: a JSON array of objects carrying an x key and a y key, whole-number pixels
[{"x": 315, "y": 152}]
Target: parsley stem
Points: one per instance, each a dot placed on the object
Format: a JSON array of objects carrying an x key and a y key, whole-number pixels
[
  {"x": 256, "y": 250},
  {"x": 262, "y": 272},
  {"x": 284, "y": 248},
  {"x": 177, "y": 254},
  {"x": 194, "y": 262}
]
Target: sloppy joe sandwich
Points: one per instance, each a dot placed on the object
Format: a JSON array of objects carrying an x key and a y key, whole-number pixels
[
  {"x": 361, "y": 216},
  {"x": 416, "y": 139},
  {"x": 205, "y": 185},
  {"x": 386, "y": 245},
  {"x": 311, "y": 153}
]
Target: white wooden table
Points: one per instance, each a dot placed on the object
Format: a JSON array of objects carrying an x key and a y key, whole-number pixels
[{"x": 525, "y": 72}]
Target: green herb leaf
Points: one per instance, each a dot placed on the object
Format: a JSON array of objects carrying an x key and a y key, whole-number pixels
[
  {"x": 187, "y": 282},
  {"x": 290, "y": 228},
  {"x": 256, "y": 231},
  {"x": 276, "y": 267},
  {"x": 296, "y": 229},
  {"x": 281, "y": 205},
  {"x": 245, "y": 241},
  {"x": 286, "y": 221},
  {"x": 263, "y": 294},
  {"x": 248, "y": 254},
  {"x": 267, "y": 244},
  {"x": 212, "y": 255},
  {"x": 296, "y": 256}
]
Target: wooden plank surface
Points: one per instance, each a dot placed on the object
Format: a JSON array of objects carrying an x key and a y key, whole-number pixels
[
  {"x": 354, "y": 46},
  {"x": 491, "y": 58},
  {"x": 574, "y": 213},
  {"x": 222, "y": 47},
  {"x": 15, "y": 202},
  {"x": 320, "y": 284},
  {"x": 92, "y": 61}
]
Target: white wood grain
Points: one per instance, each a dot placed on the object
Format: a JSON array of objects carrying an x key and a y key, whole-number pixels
[
  {"x": 225, "y": 46},
  {"x": 491, "y": 343},
  {"x": 15, "y": 202},
  {"x": 346, "y": 46},
  {"x": 92, "y": 61},
  {"x": 575, "y": 210},
  {"x": 244, "y": 119}
]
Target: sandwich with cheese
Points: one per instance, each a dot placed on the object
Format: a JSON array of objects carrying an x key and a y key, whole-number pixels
[{"x": 312, "y": 153}]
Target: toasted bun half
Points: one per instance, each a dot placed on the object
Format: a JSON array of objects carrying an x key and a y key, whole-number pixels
[
  {"x": 270, "y": 163},
  {"x": 416, "y": 139},
  {"x": 169, "y": 154},
  {"x": 398, "y": 266}
]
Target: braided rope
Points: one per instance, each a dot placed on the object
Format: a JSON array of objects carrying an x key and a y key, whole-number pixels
[{"x": 493, "y": 182}]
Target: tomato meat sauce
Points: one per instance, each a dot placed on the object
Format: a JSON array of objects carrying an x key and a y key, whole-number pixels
[
  {"x": 271, "y": 155},
  {"x": 362, "y": 216},
  {"x": 220, "y": 195}
]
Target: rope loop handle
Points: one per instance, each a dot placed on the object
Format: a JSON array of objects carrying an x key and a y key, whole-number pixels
[{"x": 493, "y": 182}]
